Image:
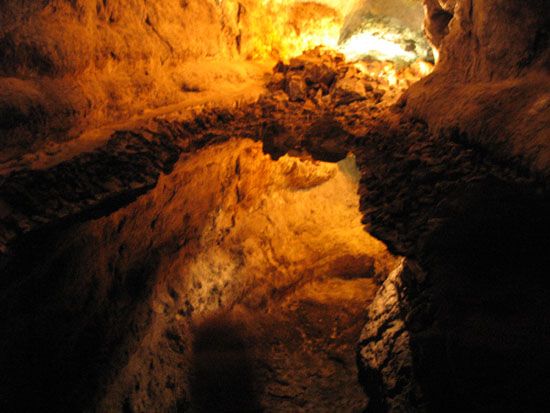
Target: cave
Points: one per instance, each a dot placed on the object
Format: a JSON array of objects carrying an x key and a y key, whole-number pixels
[{"x": 274, "y": 206}]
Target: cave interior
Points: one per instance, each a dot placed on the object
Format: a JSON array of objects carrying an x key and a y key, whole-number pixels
[{"x": 274, "y": 206}]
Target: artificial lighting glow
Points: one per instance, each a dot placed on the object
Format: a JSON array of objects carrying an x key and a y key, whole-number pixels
[
  {"x": 436, "y": 54},
  {"x": 366, "y": 44},
  {"x": 383, "y": 71},
  {"x": 291, "y": 27},
  {"x": 324, "y": 32},
  {"x": 423, "y": 68}
]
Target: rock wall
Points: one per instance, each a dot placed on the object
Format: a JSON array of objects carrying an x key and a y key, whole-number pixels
[
  {"x": 463, "y": 325},
  {"x": 465, "y": 328},
  {"x": 491, "y": 83},
  {"x": 228, "y": 226},
  {"x": 70, "y": 65},
  {"x": 66, "y": 66}
]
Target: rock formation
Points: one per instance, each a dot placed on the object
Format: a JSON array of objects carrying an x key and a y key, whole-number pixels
[
  {"x": 491, "y": 83},
  {"x": 182, "y": 229},
  {"x": 466, "y": 326}
]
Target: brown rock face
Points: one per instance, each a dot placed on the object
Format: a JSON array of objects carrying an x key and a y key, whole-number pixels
[
  {"x": 492, "y": 80},
  {"x": 213, "y": 264},
  {"x": 466, "y": 330},
  {"x": 66, "y": 67},
  {"x": 216, "y": 262}
]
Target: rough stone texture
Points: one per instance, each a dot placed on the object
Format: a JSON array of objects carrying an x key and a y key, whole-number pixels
[
  {"x": 466, "y": 330},
  {"x": 384, "y": 350},
  {"x": 471, "y": 329},
  {"x": 412, "y": 182},
  {"x": 463, "y": 325},
  {"x": 70, "y": 66},
  {"x": 492, "y": 79},
  {"x": 129, "y": 164},
  {"x": 228, "y": 226},
  {"x": 339, "y": 101},
  {"x": 90, "y": 184}
]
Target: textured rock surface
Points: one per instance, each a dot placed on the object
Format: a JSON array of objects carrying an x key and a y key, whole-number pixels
[
  {"x": 385, "y": 356},
  {"x": 90, "y": 184},
  {"x": 228, "y": 226},
  {"x": 466, "y": 330},
  {"x": 412, "y": 182},
  {"x": 492, "y": 80},
  {"x": 67, "y": 67},
  {"x": 463, "y": 326}
]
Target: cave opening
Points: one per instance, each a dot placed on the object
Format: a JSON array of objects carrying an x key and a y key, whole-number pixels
[{"x": 274, "y": 205}]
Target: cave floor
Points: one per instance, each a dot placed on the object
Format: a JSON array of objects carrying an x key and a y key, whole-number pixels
[{"x": 296, "y": 355}]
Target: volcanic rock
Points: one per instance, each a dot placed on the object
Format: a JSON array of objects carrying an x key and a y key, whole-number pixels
[
  {"x": 348, "y": 90},
  {"x": 296, "y": 88},
  {"x": 326, "y": 140}
]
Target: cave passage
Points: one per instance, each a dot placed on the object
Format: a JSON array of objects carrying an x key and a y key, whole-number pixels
[
  {"x": 248, "y": 294},
  {"x": 209, "y": 270},
  {"x": 229, "y": 206}
]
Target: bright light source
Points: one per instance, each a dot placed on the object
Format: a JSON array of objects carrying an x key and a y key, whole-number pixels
[{"x": 366, "y": 44}]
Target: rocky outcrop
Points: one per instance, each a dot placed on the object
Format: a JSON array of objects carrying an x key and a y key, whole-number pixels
[
  {"x": 460, "y": 328},
  {"x": 491, "y": 81},
  {"x": 91, "y": 184},
  {"x": 318, "y": 103},
  {"x": 99, "y": 182},
  {"x": 444, "y": 330},
  {"x": 465, "y": 329},
  {"x": 385, "y": 356},
  {"x": 463, "y": 193},
  {"x": 67, "y": 66},
  {"x": 122, "y": 294},
  {"x": 448, "y": 331},
  {"x": 467, "y": 334}
]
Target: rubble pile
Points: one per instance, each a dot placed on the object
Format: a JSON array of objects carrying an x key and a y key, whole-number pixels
[{"x": 324, "y": 107}]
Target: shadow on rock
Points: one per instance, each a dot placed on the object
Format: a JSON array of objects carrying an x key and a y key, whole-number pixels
[{"x": 222, "y": 373}]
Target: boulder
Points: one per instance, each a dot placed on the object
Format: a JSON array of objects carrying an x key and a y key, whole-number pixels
[
  {"x": 326, "y": 140},
  {"x": 296, "y": 88},
  {"x": 347, "y": 90}
]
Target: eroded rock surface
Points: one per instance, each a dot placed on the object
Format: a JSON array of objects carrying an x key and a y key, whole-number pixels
[
  {"x": 491, "y": 83},
  {"x": 436, "y": 339},
  {"x": 228, "y": 228},
  {"x": 385, "y": 356},
  {"x": 229, "y": 244},
  {"x": 466, "y": 329}
]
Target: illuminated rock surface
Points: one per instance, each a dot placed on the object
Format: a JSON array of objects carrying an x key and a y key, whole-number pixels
[
  {"x": 491, "y": 83},
  {"x": 176, "y": 257},
  {"x": 227, "y": 229}
]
